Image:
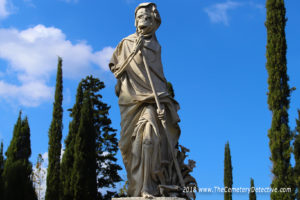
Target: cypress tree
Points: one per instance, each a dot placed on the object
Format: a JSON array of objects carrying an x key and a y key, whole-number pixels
[
  {"x": 252, "y": 195},
  {"x": 278, "y": 99},
  {"x": 13, "y": 148},
  {"x": 106, "y": 141},
  {"x": 84, "y": 171},
  {"x": 55, "y": 135},
  {"x": 297, "y": 157},
  {"x": 1, "y": 171},
  {"x": 68, "y": 157},
  {"x": 228, "y": 181},
  {"x": 1, "y": 158},
  {"x": 17, "y": 169}
]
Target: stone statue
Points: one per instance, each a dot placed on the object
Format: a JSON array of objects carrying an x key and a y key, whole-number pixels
[{"x": 149, "y": 119}]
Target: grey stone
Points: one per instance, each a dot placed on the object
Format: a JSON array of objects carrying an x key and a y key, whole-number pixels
[{"x": 149, "y": 119}]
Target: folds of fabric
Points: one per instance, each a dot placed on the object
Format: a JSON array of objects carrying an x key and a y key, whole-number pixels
[{"x": 143, "y": 142}]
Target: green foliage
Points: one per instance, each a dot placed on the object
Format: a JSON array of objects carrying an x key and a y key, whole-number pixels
[
  {"x": 252, "y": 195},
  {"x": 297, "y": 157},
  {"x": 124, "y": 190},
  {"x": 84, "y": 171},
  {"x": 105, "y": 147},
  {"x": 17, "y": 169},
  {"x": 18, "y": 184},
  {"x": 1, "y": 171},
  {"x": 68, "y": 157},
  {"x": 228, "y": 180},
  {"x": 278, "y": 99},
  {"x": 19, "y": 148},
  {"x": 106, "y": 141},
  {"x": 55, "y": 135},
  {"x": 1, "y": 158}
]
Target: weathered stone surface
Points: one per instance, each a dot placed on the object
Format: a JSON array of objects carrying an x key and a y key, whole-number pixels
[
  {"x": 149, "y": 129},
  {"x": 149, "y": 120}
]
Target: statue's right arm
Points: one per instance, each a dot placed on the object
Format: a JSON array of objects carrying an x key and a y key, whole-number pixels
[
  {"x": 122, "y": 57},
  {"x": 114, "y": 61},
  {"x": 119, "y": 59}
]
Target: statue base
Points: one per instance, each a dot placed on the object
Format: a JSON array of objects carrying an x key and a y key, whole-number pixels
[{"x": 155, "y": 198}]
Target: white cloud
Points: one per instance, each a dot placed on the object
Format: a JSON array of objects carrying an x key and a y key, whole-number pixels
[
  {"x": 32, "y": 57},
  {"x": 71, "y": 1},
  {"x": 218, "y": 13},
  {"x": 30, "y": 3},
  {"x": 29, "y": 94},
  {"x": 3, "y": 9},
  {"x": 102, "y": 57},
  {"x": 131, "y": 1},
  {"x": 261, "y": 7}
]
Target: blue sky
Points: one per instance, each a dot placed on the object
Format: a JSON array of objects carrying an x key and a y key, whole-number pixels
[{"x": 213, "y": 52}]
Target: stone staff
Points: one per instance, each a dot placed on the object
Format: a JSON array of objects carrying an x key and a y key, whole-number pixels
[{"x": 163, "y": 121}]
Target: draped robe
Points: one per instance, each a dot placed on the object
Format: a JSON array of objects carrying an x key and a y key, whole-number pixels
[{"x": 143, "y": 143}]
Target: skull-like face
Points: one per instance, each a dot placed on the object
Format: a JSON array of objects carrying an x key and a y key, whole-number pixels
[{"x": 145, "y": 22}]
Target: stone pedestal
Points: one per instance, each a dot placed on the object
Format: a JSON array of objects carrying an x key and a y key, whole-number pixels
[{"x": 155, "y": 198}]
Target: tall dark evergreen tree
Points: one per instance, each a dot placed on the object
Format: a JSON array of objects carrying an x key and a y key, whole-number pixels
[
  {"x": 252, "y": 194},
  {"x": 297, "y": 157},
  {"x": 278, "y": 99},
  {"x": 84, "y": 170},
  {"x": 1, "y": 158},
  {"x": 228, "y": 180},
  {"x": 1, "y": 171},
  {"x": 17, "y": 169},
  {"x": 67, "y": 192},
  {"x": 55, "y": 135},
  {"x": 106, "y": 141}
]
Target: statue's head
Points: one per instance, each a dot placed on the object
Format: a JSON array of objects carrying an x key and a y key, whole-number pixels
[{"x": 147, "y": 19}]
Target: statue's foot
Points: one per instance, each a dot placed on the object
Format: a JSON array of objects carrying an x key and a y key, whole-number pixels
[{"x": 147, "y": 195}]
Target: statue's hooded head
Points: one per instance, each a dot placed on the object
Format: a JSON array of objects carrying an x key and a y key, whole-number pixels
[{"x": 147, "y": 19}]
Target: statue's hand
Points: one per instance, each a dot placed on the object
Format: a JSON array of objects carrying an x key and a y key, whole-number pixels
[
  {"x": 138, "y": 43},
  {"x": 114, "y": 68},
  {"x": 161, "y": 114}
]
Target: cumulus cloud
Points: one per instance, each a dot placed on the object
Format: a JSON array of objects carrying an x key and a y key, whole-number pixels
[
  {"x": 32, "y": 54},
  {"x": 258, "y": 6},
  {"x": 71, "y": 1},
  {"x": 131, "y": 1},
  {"x": 29, "y": 94},
  {"x": 3, "y": 9},
  {"x": 102, "y": 57},
  {"x": 218, "y": 13}
]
